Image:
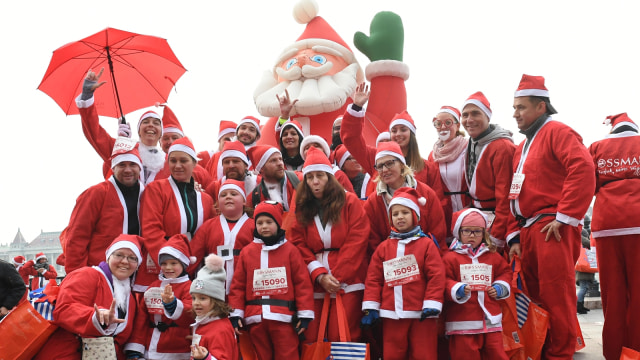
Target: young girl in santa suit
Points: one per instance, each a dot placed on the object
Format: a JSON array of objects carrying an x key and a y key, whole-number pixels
[
  {"x": 477, "y": 277},
  {"x": 164, "y": 313},
  {"x": 213, "y": 335},
  {"x": 405, "y": 284},
  {"x": 226, "y": 234},
  {"x": 271, "y": 287}
]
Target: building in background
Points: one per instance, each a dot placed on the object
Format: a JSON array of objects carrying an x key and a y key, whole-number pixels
[{"x": 47, "y": 243}]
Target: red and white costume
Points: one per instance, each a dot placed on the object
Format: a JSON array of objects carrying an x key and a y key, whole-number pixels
[
  {"x": 269, "y": 323},
  {"x": 39, "y": 280},
  {"x": 617, "y": 234},
  {"x": 200, "y": 175},
  {"x": 162, "y": 214},
  {"x": 286, "y": 189},
  {"x": 454, "y": 185},
  {"x": 75, "y": 315},
  {"x": 340, "y": 250},
  {"x": 218, "y": 337},
  {"x": 100, "y": 215},
  {"x": 411, "y": 337}
]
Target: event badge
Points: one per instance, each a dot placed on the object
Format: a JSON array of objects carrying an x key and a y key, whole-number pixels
[
  {"x": 401, "y": 270},
  {"x": 123, "y": 145},
  {"x": 476, "y": 276},
  {"x": 153, "y": 300},
  {"x": 195, "y": 340},
  {"x": 270, "y": 281},
  {"x": 516, "y": 186},
  {"x": 151, "y": 266},
  {"x": 225, "y": 252}
]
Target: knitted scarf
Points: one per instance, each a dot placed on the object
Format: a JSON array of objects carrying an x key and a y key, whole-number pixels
[{"x": 444, "y": 153}]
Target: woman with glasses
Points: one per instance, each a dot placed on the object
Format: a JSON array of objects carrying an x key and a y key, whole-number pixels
[
  {"x": 170, "y": 206},
  {"x": 96, "y": 304},
  {"x": 449, "y": 153}
]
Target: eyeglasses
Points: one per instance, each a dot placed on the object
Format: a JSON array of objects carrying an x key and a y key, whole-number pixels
[
  {"x": 119, "y": 257},
  {"x": 387, "y": 164},
  {"x": 468, "y": 232},
  {"x": 438, "y": 123}
]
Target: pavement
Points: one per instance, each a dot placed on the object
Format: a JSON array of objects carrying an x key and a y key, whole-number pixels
[{"x": 591, "y": 326}]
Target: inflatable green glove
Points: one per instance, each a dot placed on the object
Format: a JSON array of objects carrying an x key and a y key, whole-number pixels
[{"x": 387, "y": 38}]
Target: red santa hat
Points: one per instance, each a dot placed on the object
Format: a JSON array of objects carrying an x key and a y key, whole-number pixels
[
  {"x": 125, "y": 149},
  {"x": 410, "y": 198},
  {"x": 260, "y": 154},
  {"x": 534, "y": 86},
  {"x": 383, "y": 137},
  {"x": 178, "y": 247},
  {"x": 39, "y": 256},
  {"x": 233, "y": 184},
  {"x": 226, "y": 127},
  {"x": 467, "y": 217},
  {"x": 269, "y": 208},
  {"x": 390, "y": 148},
  {"x": 148, "y": 114},
  {"x": 316, "y": 161},
  {"x": 619, "y": 120},
  {"x": 18, "y": 260},
  {"x": 341, "y": 154},
  {"x": 478, "y": 99},
  {"x": 234, "y": 149},
  {"x": 170, "y": 123},
  {"x": 314, "y": 139},
  {"x": 185, "y": 145},
  {"x": 405, "y": 119},
  {"x": 126, "y": 241},
  {"x": 292, "y": 123},
  {"x": 252, "y": 121},
  {"x": 450, "y": 110}
]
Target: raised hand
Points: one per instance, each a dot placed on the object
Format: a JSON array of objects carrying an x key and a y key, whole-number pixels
[
  {"x": 361, "y": 95},
  {"x": 167, "y": 295},
  {"x": 107, "y": 317},
  {"x": 286, "y": 105}
]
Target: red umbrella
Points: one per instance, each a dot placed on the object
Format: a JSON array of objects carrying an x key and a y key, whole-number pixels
[{"x": 145, "y": 67}]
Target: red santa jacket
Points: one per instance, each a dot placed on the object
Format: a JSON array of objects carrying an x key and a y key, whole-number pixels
[
  {"x": 288, "y": 192},
  {"x": 338, "y": 249},
  {"x": 39, "y": 280},
  {"x": 218, "y": 236},
  {"x": 172, "y": 343},
  {"x": 100, "y": 215},
  {"x": 559, "y": 175},
  {"x": 478, "y": 312},
  {"x": 218, "y": 336},
  {"x": 617, "y": 162},
  {"x": 490, "y": 185},
  {"x": 162, "y": 215},
  {"x": 454, "y": 180},
  {"x": 203, "y": 158},
  {"x": 75, "y": 315},
  {"x": 432, "y": 218},
  {"x": 424, "y": 289},
  {"x": 298, "y": 292}
]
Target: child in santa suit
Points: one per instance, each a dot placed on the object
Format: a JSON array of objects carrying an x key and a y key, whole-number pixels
[
  {"x": 225, "y": 235},
  {"x": 164, "y": 313},
  {"x": 213, "y": 335},
  {"x": 477, "y": 277},
  {"x": 405, "y": 284},
  {"x": 271, "y": 291}
]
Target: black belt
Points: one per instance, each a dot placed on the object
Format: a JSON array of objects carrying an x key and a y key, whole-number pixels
[
  {"x": 522, "y": 221},
  {"x": 162, "y": 327},
  {"x": 291, "y": 305},
  {"x": 484, "y": 209},
  {"x": 236, "y": 252},
  {"x": 329, "y": 249},
  {"x": 456, "y": 193}
]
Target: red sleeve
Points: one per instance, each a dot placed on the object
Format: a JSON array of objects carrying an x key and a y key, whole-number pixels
[
  {"x": 352, "y": 254},
  {"x": 238, "y": 288},
  {"x": 51, "y": 273},
  {"x": 298, "y": 235},
  {"x": 29, "y": 269},
  {"x": 434, "y": 273},
  {"x": 502, "y": 164},
  {"x": 378, "y": 230},
  {"x": 343, "y": 179},
  {"x": 152, "y": 213},
  {"x": 185, "y": 319},
  {"x": 433, "y": 217},
  {"x": 81, "y": 227},
  {"x": 141, "y": 324},
  {"x": 202, "y": 176},
  {"x": 199, "y": 245},
  {"x": 97, "y": 136},
  {"x": 302, "y": 282},
  {"x": 351, "y": 132},
  {"x": 451, "y": 271}
]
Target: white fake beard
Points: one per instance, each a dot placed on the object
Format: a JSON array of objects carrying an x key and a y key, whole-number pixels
[
  {"x": 444, "y": 135},
  {"x": 315, "y": 95},
  {"x": 152, "y": 161},
  {"x": 121, "y": 292}
]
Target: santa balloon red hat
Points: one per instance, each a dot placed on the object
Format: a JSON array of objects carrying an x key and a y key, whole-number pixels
[
  {"x": 125, "y": 241},
  {"x": 534, "y": 86},
  {"x": 18, "y": 260},
  {"x": 234, "y": 149},
  {"x": 178, "y": 247},
  {"x": 467, "y": 217},
  {"x": 478, "y": 99},
  {"x": 270, "y": 208},
  {"x": 316, "y": 161},
  {"x": 390, "y": 148},
  {"x": 314, "y": 139},
  {"x": 251, "y": 121},
  {"x": 408, "y": 197},
  {"x": 231, "y": 184},
  {"x": 125, "y": 149},
  {"x": 170, "y": 123},
  {"x": 226, "y": 127},
  {"x": 617, "y": 121},
  {"x": 149, "y": 114},
  {"x": 450, "y": 110},
  {"x": 405, "y": 119},
  {"x": 260, "y": 154},
  {"x": 185, "y": 145}
]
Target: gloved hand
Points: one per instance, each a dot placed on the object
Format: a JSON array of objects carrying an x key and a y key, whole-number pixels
[
  {"x": 499, "y": 290},
  {"x": 133, "y": 354},
  {"x": 236, "y": 322},
  {"x": 370, "y": 318},
  {"x": 428, "y": 312},
  {"x": 387, "y": 38},
  {"x": 460, "y": 292},
  {"x": 303, "y": 324},
  {"x": 124, "y": 130}
]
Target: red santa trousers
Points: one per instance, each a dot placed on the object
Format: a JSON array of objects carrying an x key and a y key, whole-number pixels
[
  {"x": 352, "y": 303},
  {"x": 549, "y": 275},
  {"x": 618, "y": 259},
  {"x": 274, "y": 340},
  {"x": 485, "y": 346},
  {"x": 410, "y": 339}
]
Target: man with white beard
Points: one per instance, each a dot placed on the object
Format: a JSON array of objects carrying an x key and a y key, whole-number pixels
[{"x": 321, "y": 72}]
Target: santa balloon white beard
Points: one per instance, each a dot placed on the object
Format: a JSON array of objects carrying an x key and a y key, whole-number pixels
[
  {"x": 316, "y": 93},
  {"x": 444, "y": 135}
]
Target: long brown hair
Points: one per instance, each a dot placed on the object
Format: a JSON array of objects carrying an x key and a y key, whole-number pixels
[
  {"x": 413, "y": 158},
  {"x": 333, "y": 199},
  {"x": 219, "y": 308}
]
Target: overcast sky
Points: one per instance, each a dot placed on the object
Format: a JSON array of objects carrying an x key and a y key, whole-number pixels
[{"x": 587, "y": 50}]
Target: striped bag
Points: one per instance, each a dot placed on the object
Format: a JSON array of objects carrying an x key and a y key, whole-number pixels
[{"x": 44, "y": 299}]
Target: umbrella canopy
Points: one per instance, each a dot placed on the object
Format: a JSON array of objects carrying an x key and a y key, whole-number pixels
[{"x": 139, "y": 71}]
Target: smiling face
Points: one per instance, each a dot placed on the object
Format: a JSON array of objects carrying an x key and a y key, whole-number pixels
[
  {"x": 446, "y": 133},
  {"x": 391, "y": 173},
  {"x": 181, "y": 166},
  {"x": 122, "y": 263},
  {"x": 401, "y": 134},
  {"x": 150, "y": 131},
  {"x": 171, "y": 268},
  {"x": 247, "y": 134},
  {"x": 474, "y": 120},
  {"x": 231, "y": 204},
  {"x": 290, "y": 140},
  {"x": 402, "y": 218},
  {"x": 126, "y": 172},
  {"x": 317, "y": 181},
  {"x": 167, "y": 139},
  {"x": 201, "y": 304}
]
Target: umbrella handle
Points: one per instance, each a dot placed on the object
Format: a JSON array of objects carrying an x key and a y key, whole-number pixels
[{"x": 115, "y": 87}]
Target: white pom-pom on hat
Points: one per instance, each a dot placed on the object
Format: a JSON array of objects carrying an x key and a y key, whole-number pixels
[
  {"x": 213, "y": 262},
  {"x": 422, "y": 201},
  {"x": 192, "y": 260},
  {"x": 305, "y": 10}
]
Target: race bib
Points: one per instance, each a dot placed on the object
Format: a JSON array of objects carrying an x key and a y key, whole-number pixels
[
  {"x": 477, "y": 276},
  {"x": 195, "y": 340},
  {"x": 225, "y": 252},
  {"x": 516, "y": 186},
  {"x": 491, "y": 216},
  {"x": 153, "y": 300},
  {"x": 401, "y": 270},
  {"x": 151, "y": 266},
  {"x": 123, "y": 145},
  {"x": 270, "y": 281}
]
